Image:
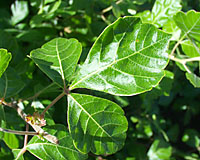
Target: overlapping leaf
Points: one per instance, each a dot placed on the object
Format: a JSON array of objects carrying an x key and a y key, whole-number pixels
[
  {"x": 63, "y": 151},
  {"x": 194, "y": 79},
  {"x": 162, "y": 12},
  {"x": 58, "y": 59},
  {"x": 189, "y": 23},
  {"x": 189, "y": 49},
  {"x": 128, "y": 58},
  {"x": 10, "y": 83},
  {"x": 96, "y": 124},
  {"x": 5, "y": 58}
]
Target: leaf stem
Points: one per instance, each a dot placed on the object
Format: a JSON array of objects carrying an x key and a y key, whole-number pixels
[
  {"x": 107, "y": 10},
  {"x": 184, "y": 61},
  {"x": 26, "y": 136},
  {"x": 18, "y": 132},
  {"x": 110, "y": 7},
  {"x": 52, "y": 103}
]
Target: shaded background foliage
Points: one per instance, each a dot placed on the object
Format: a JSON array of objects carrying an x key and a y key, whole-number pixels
[{"x": 162, "y": 122}]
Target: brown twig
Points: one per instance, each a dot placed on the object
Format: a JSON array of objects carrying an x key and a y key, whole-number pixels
[
  {"x": 26, "y": 136},
  {"x": 52, "y": 103},
  {"x": 18, "y": 132},
  {"x": 38, "y": 129}
]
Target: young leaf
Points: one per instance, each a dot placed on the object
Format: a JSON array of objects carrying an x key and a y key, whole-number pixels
[
  {"x": 195, "y": 80},
  {"x": 172, "y": 28},
  {"x": 10, "y": 83},
  {"x": 19, "y": 10},
  {"x": 128, "y": 58},
  {"x": 189, "y": 23},
  {"x": 5, "y": 58},
  {"x": 96, "y": 124},
  {"x": 63, "y": 151},
  {"x": 58, "y": 59},
  {"x": 162, "y": 12},
  {"x": 189, "y": 49}
]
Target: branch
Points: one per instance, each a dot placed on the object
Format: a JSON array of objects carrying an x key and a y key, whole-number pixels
[
  {"x": 39, "y": 131},
  {"x": 18, "y": 132},
  {"x": 184, "y": 61},
  {"x": 52, "y": 103},
  {"x": 106, "y": 10},
  {"x": 110, "y": 8}
]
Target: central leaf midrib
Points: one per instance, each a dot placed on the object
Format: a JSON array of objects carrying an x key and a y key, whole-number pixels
[
  {"x": 101, "y": 69},
  {"x": 49, "y": 144},
  {"x": 91, "y": 118},
  {"x": 60, "y": 63}
]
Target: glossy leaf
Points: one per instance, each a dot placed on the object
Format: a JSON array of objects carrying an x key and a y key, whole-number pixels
[
  {"x": 19, "y": 10},
  {"x": 172, "y": 28},
  {"x": 10, "y": 83},
  {"x": 189, "y": 23},
  {"x": 128, "y": 58},
  {"x": 162, "y": 12},
  {"x": 5, "y": 58},
  {"x": 58, "y": 59},
  {"x": 63, "y": 151},
  {"x": 96, "y": 124},
  {"x": 189, "y": 49},
  {"x": 195, "y": 80}
]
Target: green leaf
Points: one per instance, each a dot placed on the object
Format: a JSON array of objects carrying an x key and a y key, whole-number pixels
[
  {"x": 162, "y": 12},
  {"x": 96, "y": 124},
  {"x": 159, "y": 150},
  {"x": 2, "y": 120},
  {"x": 63, "y": 151},
  {"x": 128, "y": 58},
  {"x": 189, "y": 23},
  {"x": 58, "y": 59},
  {"x": 19, "y": 11},
  {"x": 11, "y": 140},
  {"x": 189, "y": 49},
  {"x": 5, "y": 58},
  {"x": 172, "y": 28},
  {"x": 17, "y": 154},
  {"x": 10, "y": 83},
  {"x": 116, "y": 10},
  {"x": 195, "y": 80}
]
